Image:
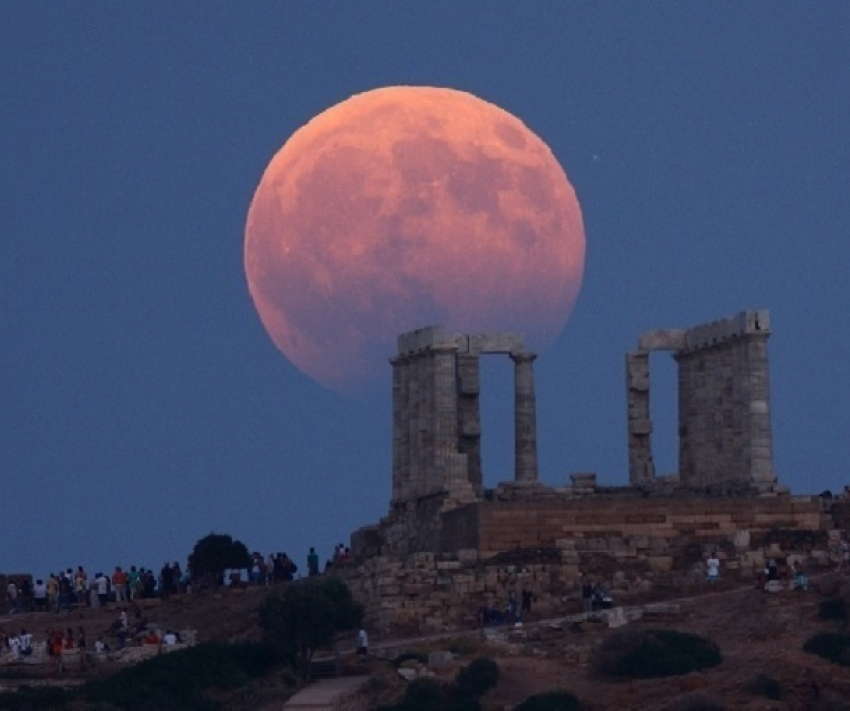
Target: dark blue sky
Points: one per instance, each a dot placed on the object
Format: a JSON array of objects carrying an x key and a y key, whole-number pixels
[{"x": 142, "y": 405}]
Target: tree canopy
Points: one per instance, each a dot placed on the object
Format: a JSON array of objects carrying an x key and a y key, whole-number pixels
[
  {"x": 216, "y": 553},
  {"x": 308, "y": 615}
]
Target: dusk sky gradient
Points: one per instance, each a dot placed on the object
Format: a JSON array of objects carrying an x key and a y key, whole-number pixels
[{"x": 143, "y": 405}]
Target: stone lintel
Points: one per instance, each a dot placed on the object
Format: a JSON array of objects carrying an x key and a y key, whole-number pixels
[
  {"x": 427, "y": 338},
  {"x": 478, "y": 343},
  {"x": 663, "y": 340},
  {"x": 437, "y": 338}
]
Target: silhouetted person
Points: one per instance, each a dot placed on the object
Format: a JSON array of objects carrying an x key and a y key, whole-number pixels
[{"x": 312, "y": 563}]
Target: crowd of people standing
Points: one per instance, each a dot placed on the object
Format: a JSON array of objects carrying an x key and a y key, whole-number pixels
[{"x": 76, "y": 588}]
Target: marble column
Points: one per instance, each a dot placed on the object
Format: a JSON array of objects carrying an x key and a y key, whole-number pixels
[
  {"x": 525, "y": 418},
  {"x": 445, "y": 422}
]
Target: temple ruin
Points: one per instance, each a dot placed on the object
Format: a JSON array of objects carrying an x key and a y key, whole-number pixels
[
  {"x": 723, "y": 401},
  {"x": 436, "y": 413},
  {"x": 448, "y": 545}
]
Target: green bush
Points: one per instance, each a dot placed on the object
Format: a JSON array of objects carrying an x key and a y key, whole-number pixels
[
  {"x": 643, "y": 654},
  {"x": 31, "y": 699},
  {"x": 181, "y": 680},
  {"x": 428, "y": 694},
  {"x": 308, "y": 615},
  {"x": 830, "y": 701},
  {"x": 834, "y": 608},
  {"x": 764, "y": 685},
  {"x": 552, "y": 701},
  {"x": 410, "y": 656},
  {"x": 478, "y": 677},
  {"x": 695, "y": 702},
  {"x": 833, "y": 646},
  {"x": 425, "y": 692}
]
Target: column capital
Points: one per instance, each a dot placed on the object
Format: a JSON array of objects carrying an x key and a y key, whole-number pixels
[{"x": 523, "y": 356}]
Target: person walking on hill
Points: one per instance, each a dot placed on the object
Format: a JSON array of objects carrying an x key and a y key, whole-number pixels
[{"x": 362, "y": 643}]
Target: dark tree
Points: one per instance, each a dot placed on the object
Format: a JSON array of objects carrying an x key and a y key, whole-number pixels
[
  {"x": 217, "y": 552},
  {"x": 307, "y": 616}
]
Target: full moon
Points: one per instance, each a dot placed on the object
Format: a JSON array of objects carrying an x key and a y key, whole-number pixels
[{"x": 405, "y": 207}]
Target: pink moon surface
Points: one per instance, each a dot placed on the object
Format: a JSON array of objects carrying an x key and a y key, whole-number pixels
[{"x": 405, "y": 207}]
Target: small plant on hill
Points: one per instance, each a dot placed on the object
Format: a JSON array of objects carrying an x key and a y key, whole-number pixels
[
  {"x": 643, "y": 654},
  {"x": 830, "y": 701},
  {"x": 426, "y": 694},
  {"x": 833, "y": 608},
  {"x": 695, "y": 702},
  {"x": 461, "y": 646},
  {"x": 182, "y": 680},
  {"x": 833, "y": 646},
  {"x": 552, "y": 701},
  {"x": 477, "y": 678},
  {"x": 420, "y": 657},
  {"x": 764, "y": 685},
  {"x": 29, "y": 699}
]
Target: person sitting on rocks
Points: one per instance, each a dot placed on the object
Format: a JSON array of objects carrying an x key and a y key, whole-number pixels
[
  {"x": 120, "y": 623},
  {"x": 772, "y": 570},
  {"x": 601, "y": 599},
  {"x": 513, "y": 607},
  {"x": 525, "y": 607},
  {"x": 801, "y": 581},
  {"x": 712, "y": 568},
  {"x": 587, "y": 595}
]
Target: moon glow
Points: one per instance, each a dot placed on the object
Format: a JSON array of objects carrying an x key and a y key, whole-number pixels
[{"x": 405, "y": 207}]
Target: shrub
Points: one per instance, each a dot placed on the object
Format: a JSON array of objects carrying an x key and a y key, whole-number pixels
[
  {"x": 478, "y": 677},
  {"x": 764, "y": 685},
  {"x": 830, "y": 701},
  {"x": 552, "y": 701},
  {"x": 833, "y": 646},
  {"x": 461, "y": 646},
  {"x": 834, "y": 608},
  {"x": 655, "y": 653},
  {"x": 181, "y": 680},
  {"x": 695, "y": 702},
  {"x": 308, "y": 615},
  {"x": 424, "y": 691},
  {"x": 29, "y": 699},
  {"x": 410, "y": 656}
]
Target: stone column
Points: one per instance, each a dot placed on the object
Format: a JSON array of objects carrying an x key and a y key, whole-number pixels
[
  {"x": 525, "y": 418},
  {"x": 469, "y": 416},
  {"x": 759, "y": 439},
  {"x": 445, "y": 422},
  {"x": 400, "y": 431},
  {"x": 641, "y": 465},
  {"x": 416, "y": 423}
]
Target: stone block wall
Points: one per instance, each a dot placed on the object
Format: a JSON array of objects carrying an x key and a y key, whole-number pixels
[
  {"x": 651, "y": 523},
  {"x": 638, "y": 545}
]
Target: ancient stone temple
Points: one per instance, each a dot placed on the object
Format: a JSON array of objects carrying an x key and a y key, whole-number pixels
[
  {"x": 436, "y": 413},
  {"x": 723, "y": 398},
  {"x": 447, "y": 546}
]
